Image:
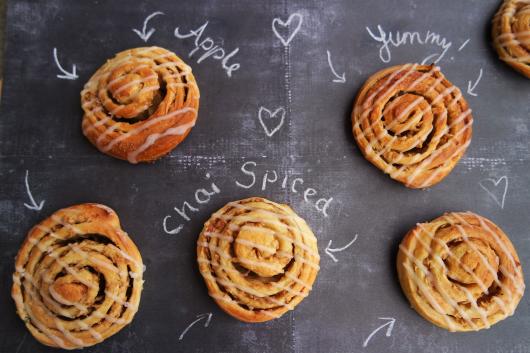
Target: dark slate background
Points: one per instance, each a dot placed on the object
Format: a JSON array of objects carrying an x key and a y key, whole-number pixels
[{"x": 40, "y": 132}]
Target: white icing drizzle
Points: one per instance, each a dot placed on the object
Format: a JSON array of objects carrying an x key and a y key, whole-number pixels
[
  {"x": 520, "y": 287},
  {"x": 230, "y": 301},
  {"x": 440, "y": 290},
  {"x": 366, "y": 113},
  {"x": 134, "y": 82},
  {"x": 482, "y": 313},
  {"x": 144, "y": 126},
  {"x": 477, "y": 280},
  {"x": 258, "y": 246},
  {"x": 427, "y": 294},
  {"x": 248, "y": 290},
  {"x": 421, "y": 167},
  {"x": 275, "y": 267},
  {"x": 510, "y": 38},
  {"x": 411, "y": 106},
  {"x": 151, "y": 139},
  {"x": 20, "y": 272}
]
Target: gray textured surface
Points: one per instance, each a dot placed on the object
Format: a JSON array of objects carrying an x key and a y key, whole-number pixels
[{"x": 40, "y": 132}]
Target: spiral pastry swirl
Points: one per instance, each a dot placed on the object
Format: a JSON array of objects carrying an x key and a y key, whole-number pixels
[
  {"x": 258, "y": 259},
  {"x": 511, "y": 34},
  {"x": 140, "y": 104},
  {"x": 460, "y": 272},
  {"x": 412, "y": 123},
  {"x": 78, "y": 277}
]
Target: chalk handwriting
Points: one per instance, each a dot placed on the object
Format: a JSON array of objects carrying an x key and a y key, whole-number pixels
[
  {"x": 143, "y": 34},
  {"x": 207, "y": 316},
  {"x": 463, "y": 45},
  {"x": 329, "y": 251},
  {"x": 32, "y": 205},
  {"x": 270, "y": 177},
  {"x": 277, "y": 23},
  {"x": 496, "y": 189},
  {"x": 338, "y": 79},
  {"x": 207, "y": 48},
  {"x": 65, "y": 74},
  {"x": 389, "y": 326},
  {"x": 202, "y": 196},
  {"x": 396, "y": 39},
  {"x": 278, "y": 117},
  {"x": 471, "y": 88}
]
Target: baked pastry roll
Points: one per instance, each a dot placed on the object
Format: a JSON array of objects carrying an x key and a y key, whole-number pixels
[
  {"x": 258, "y": 259},
  {"x": 511, "y": 34},
  {"x": 140, "y": 104},
  {"x": 78, "y": 277},
  {"x": 412, "y": 123},
  {"x": 460, "y": 272}
]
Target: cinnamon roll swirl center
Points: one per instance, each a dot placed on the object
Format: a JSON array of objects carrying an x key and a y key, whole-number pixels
[{"x": 472, "y": 260}]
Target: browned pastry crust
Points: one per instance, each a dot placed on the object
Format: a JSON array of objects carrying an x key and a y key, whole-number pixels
[
  {"x": 140, "y": 104},
  {"x": 460, "y": 272},
  {"x": 258, "y": 259},
  {"x": 412, "y": 123},
  {"x": 511, "y": 34},
  {"x": 78, "y": 277}
]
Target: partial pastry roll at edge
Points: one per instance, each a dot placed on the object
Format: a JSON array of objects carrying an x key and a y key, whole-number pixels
[
  {"x": 412, "y": 123},
  {"x": 460, "y": 272},
  {"x": 78, "y": 277},
  {"x": 258, "y": 259},
  {"x": 140, "y": 104},
  {"x": 511, "y": 34}
]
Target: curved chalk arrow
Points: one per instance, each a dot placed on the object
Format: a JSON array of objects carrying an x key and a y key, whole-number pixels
[
  {"x": 390, "y": 323},
  {"x": 471, "y": 88},
  {"x": 66, "y": 75},
  {"x": 208, "y": 317},
  {"x": 143, "y": 34},
  {"x": 330, "y": 251},
  {"x": 338, "y": 79},
  {"x": 33, "y": 206}
]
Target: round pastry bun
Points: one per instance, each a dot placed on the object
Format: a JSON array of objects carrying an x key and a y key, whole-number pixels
[
  {"x": 258, "y": 259},
  {"x": 140, "y": 104},
  {"x": 460, "y": 272},
  {"x": 78, "y": 277},
  {"x": 412, "y": 123}
]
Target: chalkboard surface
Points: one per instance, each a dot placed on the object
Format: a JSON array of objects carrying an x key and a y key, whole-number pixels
[{"x": 277, "y": 108}]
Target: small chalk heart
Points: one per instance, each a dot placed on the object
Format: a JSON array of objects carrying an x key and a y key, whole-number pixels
[
  {"x": 496, "y": 189},
  {"x": 279, "y": 24},
  {"x": 277, "y": 117}
]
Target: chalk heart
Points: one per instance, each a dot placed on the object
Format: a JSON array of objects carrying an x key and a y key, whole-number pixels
[
  {"x": 275, "y": 118},
  {"x": 496, "y": 189},
  {"x": 292, "y": 25}
]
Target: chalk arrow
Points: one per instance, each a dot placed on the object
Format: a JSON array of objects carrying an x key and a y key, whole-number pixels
[
  {"x": 143, "y": 34},
  {"x": 330, "y": 251},
  {"x": 471, "y": 88},
  {"x": 33, "y": 205},
  {"x": 389, "y": 326},
  {"x": 338, "y": 79},
  {"x": 66, "y": 75},
  {"x": 207, "y": 316}
]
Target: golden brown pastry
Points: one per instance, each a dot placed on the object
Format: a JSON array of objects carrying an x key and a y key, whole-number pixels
[
  {"x": 140, "y": 104},
  {"x": 258, "y": 259},
  {"x": 511, "y": 34},
  {"x": 412, "y": 123},
  {"x": 78, "y": 277},
  {"x": 460, "y": 272}
]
